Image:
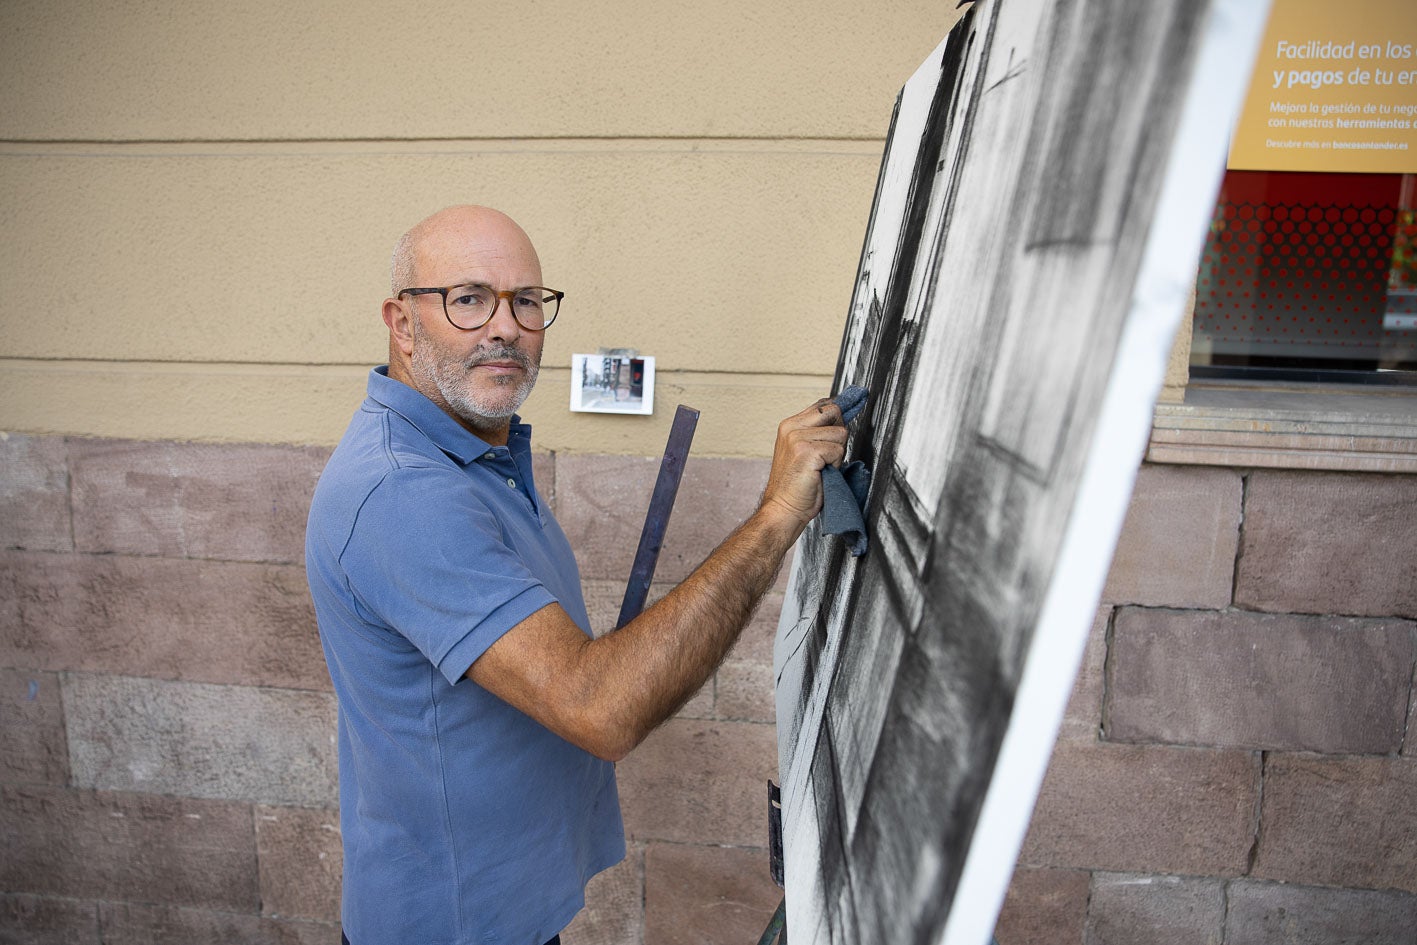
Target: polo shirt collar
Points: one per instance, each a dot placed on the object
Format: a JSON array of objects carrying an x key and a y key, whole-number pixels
[{"x": 433, "y": 422}]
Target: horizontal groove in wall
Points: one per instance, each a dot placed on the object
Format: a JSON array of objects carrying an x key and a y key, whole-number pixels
[
  {"x": 299, "y": 369},
  {"x": 851, "y": 147},
  {"x": 246, "y": 403}
]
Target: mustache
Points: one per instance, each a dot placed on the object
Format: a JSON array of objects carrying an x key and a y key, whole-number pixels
[{"x": 498, "y": 353}]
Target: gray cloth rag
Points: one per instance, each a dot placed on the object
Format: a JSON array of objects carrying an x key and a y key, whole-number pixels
[
  {"x": 851, "y": 402},
  {"x": 844, "y": 490}
]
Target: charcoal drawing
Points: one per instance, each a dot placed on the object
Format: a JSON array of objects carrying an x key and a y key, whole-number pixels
[{"x": 1038, "y": 218}]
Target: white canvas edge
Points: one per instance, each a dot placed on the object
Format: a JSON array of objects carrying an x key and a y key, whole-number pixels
[{"x": 1174, "y": 242}]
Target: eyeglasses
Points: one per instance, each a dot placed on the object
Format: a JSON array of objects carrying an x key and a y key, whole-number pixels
[{"x": 469, "y": 307}]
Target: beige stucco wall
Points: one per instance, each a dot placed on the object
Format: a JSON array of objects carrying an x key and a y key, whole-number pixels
[{"x": 198, "y": 200}]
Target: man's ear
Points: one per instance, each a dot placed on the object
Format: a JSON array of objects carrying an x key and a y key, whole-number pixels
[{"x": 399, "y": 317}]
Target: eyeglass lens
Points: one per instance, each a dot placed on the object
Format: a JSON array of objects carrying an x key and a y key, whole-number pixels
[{"x": 470, "y": 306}]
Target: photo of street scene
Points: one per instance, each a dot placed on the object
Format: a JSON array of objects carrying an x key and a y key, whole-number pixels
[{"x": 612, "y": 382}]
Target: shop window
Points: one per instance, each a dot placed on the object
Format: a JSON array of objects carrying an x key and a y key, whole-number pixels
[{"x": 1309, "y": 277}]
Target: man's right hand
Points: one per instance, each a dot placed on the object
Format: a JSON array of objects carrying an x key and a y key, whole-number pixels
[{"x": 806, "y": 442}]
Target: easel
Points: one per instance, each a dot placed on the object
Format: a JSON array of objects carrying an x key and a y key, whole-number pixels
[{"x": 777, "y": 925}]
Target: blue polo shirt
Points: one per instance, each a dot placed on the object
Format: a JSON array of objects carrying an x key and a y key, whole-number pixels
[{"x": 464, "y": 821}]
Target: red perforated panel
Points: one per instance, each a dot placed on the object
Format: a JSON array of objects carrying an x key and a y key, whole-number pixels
[{"x": 1296, "y": 270}]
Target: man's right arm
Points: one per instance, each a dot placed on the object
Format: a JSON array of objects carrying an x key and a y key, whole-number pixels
[{"x": 605, "y": 695}]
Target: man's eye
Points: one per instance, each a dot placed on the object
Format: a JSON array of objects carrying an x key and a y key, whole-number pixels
[{"x": 467, "y": 299}]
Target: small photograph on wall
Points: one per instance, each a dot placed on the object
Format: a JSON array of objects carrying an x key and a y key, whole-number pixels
[{"x": 615, "y": 382}]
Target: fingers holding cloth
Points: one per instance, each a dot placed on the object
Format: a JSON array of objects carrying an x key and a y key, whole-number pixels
[
  {"x": 805, "y": 478},
  {"x": 844, "y": 489}
]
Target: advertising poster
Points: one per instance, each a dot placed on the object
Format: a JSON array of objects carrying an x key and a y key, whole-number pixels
[{"x": 1334, "y": 89}]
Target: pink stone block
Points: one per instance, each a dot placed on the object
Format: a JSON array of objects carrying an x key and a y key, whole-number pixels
[
  {"x": 745, "y": 691},
  {"x": 32, "y": 742},
  {"x": 1159, "y": 910},
  {"x": 1329, "y": 543},
  {"x": 695, "y": 781},
  {"x": 715, "y": 497},
  {"x": 1044, "y": 907},
  {"x": 543, "y": 473},
  {"x": 1145, "y": 809},
  {"x": 141, "y": 847},
  {"x": 40, "y": 920},
  {"x": 301, "y": 862},
  {"x": 1245, "y": 680},
  {"x": 208, "y": 621},
  {"x": 1281, "y": 914},
  {"x": 200, "y": 740},
  {"x": 614, "y": 912},
  {"x": 131, "y": 923},
  {"x": 601, "y": 503},
  {"x": 194, "y": 500},
  {"x": 1177, "y": 547},
  {"x": 1339, "y": 822},
  {"x": 1082, "y": 720},
  {"x": 34, "y": 494},
  {"x": 707, "y": 895}
]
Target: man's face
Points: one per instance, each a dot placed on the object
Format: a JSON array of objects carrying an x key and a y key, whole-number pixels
[{"x": 482, "y": 375}]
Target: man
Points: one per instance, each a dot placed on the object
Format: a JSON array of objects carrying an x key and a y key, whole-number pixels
[{"x": 478, "y": 719}]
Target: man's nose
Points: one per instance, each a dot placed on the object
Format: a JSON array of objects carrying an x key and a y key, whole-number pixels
[{"x": 503, "y": 324}]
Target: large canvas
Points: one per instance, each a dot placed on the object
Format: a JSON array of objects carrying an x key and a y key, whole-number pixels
[{"x": 1038, "y": 219}]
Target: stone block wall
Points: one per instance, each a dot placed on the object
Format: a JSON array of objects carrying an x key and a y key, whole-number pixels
[
  {"x": 166, "y": 721},
  {"x": 167, "y": 752},
  {"x": 1238, "y": 763},
  {"x": 1235, "y": 765}
]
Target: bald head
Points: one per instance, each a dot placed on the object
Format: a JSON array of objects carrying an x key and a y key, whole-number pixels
[
  {"x": 440, "y": 234},
  {"x": 479, "y": 376}
]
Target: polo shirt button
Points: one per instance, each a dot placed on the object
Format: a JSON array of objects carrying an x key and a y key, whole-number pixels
[
  {"x": 512, "y": 483},
  {"x": 489, "y": 455}
]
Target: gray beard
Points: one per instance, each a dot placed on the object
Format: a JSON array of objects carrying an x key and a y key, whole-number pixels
[{"x": 481, "y": 408}]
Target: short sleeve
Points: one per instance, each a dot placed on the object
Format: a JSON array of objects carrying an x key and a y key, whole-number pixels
[{"x": 429, "y": 559}]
